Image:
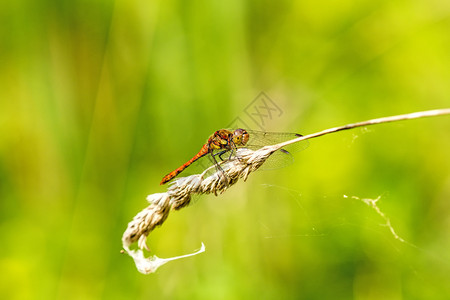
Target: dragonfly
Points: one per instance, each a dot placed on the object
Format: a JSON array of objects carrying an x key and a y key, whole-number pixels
[{"x": 225, "y": 141}]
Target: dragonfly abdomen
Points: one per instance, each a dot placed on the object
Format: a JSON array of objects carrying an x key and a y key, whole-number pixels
[{"x": 205, "y": 150}]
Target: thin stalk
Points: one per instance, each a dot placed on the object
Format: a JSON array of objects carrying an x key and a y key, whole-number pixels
[{"x": 415, "y": 115}]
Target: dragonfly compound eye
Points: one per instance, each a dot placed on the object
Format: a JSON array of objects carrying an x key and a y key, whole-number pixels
[{"x": 240, "y": 137}]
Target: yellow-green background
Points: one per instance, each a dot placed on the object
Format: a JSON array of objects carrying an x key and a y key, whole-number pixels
[{"x": 100, "y": 99}]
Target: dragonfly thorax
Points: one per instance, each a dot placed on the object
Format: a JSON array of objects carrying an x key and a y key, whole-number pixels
[{"x": 221, "y": 139}]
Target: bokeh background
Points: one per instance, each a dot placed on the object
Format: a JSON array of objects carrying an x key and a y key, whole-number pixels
[{"x": 100, "y": 99}]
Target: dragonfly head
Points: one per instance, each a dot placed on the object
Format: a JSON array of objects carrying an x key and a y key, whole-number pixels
[{"x": 240, "y": 137}]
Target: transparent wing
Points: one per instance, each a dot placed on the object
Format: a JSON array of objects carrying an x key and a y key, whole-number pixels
[
  {"x": 259, "y": 139},
  {"x": 282, "y": 157}
]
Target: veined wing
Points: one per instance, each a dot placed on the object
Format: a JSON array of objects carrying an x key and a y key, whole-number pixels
[
  {"x": 282, "y": 157},
  {"x": 259, "y": 139}
]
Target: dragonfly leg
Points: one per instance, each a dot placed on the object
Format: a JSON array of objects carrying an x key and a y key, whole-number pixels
[
  {"x": 219, "y": 169},
  {"x": 233, "y": 151},
  {"x": 220, "y": 154}
]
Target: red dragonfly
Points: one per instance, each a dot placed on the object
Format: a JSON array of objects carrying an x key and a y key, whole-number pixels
[{"x": 225, "y": 140}]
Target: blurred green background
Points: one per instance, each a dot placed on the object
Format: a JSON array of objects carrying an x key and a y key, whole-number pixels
[{"x": 100, "y": 99}]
